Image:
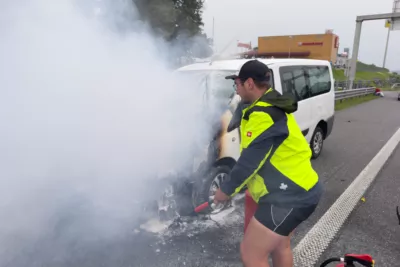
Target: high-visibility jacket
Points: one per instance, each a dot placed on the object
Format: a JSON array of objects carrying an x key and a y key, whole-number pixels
[{"x": 275, "y": 160}]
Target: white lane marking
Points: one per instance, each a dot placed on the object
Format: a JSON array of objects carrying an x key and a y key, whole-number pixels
[{"x": 314, "y": 243}]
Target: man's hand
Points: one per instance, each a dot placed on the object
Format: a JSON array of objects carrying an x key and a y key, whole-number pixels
[{"x": 220, "y": 197}]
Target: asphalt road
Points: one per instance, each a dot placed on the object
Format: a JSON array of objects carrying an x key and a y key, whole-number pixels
[
  {"x": 359, "y": 132},
  {"x": 373, "y": 227}
]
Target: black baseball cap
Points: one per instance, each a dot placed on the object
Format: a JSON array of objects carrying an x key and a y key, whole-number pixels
[{"x": 254, "y": 69}]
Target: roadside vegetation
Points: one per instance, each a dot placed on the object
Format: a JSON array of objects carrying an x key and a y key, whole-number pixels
[
  {"x": 367, "y": 72},
  {"x": 346, "y": 103}
]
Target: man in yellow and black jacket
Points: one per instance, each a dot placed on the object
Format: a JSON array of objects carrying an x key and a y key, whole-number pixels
[{"x": 275, "y": 165}]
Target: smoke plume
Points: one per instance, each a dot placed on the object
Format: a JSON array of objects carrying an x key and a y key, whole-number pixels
[{"x": 89, "y": 113}]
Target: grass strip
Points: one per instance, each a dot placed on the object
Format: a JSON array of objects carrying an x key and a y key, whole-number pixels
[{"x": 346, "y": 103}]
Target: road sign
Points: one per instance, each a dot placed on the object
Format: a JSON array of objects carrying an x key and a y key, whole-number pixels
[
  {"x": 388, "y": 23},
  {"x": 396, "y": 22}
]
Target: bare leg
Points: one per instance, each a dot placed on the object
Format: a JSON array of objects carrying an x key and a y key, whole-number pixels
[
  {"x": 282, "y": 256},
  {"x": 258, "y": 243}
]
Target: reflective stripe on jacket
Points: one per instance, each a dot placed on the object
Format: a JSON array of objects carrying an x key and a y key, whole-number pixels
[{"x": 275, "y": 156}]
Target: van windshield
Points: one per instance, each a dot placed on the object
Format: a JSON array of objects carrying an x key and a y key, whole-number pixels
[{"x": 212, "y": 82}]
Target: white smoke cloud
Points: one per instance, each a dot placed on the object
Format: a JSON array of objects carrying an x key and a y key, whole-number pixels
[{"x": 89, "y": 112}]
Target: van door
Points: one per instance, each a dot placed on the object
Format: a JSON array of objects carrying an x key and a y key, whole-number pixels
[
  {"x": 322, "y": 93},
  {"x": 294, "y": 80}
]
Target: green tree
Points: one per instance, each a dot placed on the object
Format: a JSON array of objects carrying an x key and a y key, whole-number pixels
[{"x": 179, "y": 22}]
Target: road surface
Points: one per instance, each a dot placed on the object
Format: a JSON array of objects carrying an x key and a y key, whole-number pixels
[
  {"x": 358, "y": 134},
  {"x": 373, "y": 228}
]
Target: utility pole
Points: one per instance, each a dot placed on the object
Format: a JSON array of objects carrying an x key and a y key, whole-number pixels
[
  {"x": 213, "y": 35},
  {"x": 388, "y": 24},
  {"x": 387, "y": 45}
]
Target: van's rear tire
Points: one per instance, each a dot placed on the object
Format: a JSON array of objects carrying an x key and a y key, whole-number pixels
[
  {"x": 202, "y": 188},
  {"x": 317, "y": 142}
]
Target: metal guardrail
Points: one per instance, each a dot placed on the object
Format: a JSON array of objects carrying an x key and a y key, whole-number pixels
[
  {"x": 396, "y": 85},
  {"x": 359, "y": 84},
  {"x": 345, "y": 94}
]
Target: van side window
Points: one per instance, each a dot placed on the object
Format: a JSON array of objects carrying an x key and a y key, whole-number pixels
[
  {"x": 294, "y": 81},
  {"x": 271, "y": 79},
  {"x": 319, "y": 79}
]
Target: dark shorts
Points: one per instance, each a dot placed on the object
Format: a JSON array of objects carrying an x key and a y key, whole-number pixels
[{"x": 282, "y": 220}]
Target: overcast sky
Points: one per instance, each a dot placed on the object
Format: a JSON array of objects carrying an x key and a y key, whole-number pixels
[{"x": 246, "y": 20}]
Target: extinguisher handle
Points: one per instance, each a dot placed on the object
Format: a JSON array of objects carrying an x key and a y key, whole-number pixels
[{"x": 203, "y": 206}]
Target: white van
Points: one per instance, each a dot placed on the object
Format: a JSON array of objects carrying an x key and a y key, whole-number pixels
[{"x": 312, "y": 83}]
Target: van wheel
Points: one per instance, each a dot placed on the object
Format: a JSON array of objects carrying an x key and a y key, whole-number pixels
[
  {"x": 204, "y": 189},
  {"x": 317, "y": 142}
]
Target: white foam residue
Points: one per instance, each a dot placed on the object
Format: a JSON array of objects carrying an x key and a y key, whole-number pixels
[
  {"x": 239, "y": 197},
  {"x": 226, "y": 217},
  {"x": 221, "y": 216},
  {"x": 198, "y": 225},
  {"x": 155, "y": 226}
]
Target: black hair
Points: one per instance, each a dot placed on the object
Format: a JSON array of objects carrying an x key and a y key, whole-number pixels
[{"x": 262, "y": 85}]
